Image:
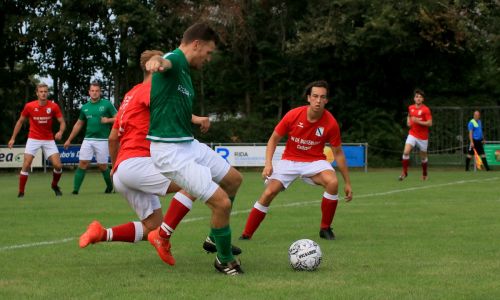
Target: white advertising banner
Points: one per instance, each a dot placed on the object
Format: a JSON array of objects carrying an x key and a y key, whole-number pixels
[
  {"x": 13, "y": 158},
  {"x": 247, "y": 156}
]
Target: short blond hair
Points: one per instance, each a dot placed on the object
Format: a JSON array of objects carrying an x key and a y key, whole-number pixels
[
  {"x": 146, "y": 55},
  {"x": 40, "y": 85}
]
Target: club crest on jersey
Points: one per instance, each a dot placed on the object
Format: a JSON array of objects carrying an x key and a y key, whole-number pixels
[
  {"x": 101, "y": 109},
  {"x": 319, "y": 131},
  {"x": 419, "y": 112},
  {"x": 49, "y": 110},
  {"x": 301, "y": 125}
]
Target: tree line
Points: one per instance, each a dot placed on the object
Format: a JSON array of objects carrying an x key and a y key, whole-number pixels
[{"x": 373, "y": 53}]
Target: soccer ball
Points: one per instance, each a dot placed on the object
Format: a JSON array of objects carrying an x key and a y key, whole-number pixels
[{"x": 304, "y": 255}]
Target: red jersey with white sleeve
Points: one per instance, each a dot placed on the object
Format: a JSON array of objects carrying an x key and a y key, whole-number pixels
[
  {"x": 40, "y": 117},
  {"x": 423, "y": 113},
  {"x": 132, "y": 123},
  {"x": 306, "y": 140}
]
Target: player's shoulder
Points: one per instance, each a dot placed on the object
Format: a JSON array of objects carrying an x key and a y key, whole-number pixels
[
  {"x": 329, "y": 118},
  {"x": 52, "y": 103},
  {"x": 85, "y": 105},
  {"x": 31, "y": 103},
  {"x": 297, "y": 110},
  {"x": 173, "y": 56}
]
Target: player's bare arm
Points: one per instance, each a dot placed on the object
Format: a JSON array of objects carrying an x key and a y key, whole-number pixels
[
  {"x": 270, "y": 149},
  {"x": 204, "y": 122},
  {"x": 76, "y": 129},
  {"x": 16, "y": 130},
  {"x": 114, "y": 145},
  {"x": 158, "y": 64},
  {"x": 62, "y": 128},
  {"x": 342, "y": 166}
]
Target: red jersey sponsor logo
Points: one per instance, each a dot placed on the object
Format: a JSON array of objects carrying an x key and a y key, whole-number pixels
[
  {"x": 40, "y": 118},
  {"x": 306, "y": 140}
]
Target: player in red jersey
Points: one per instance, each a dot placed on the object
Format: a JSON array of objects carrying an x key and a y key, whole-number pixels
[
  {"x": 308, "y": 128},
  {"x": 136, "y": 178},
  {"x": 40, "y": 113},
  {"x": 419, "y": 120}
]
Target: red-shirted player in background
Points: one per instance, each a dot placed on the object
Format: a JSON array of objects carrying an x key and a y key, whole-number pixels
[
  {"x": 419, "y": 120},
  {"x": 308, "y": 128},
  {"x": 40, "y": 113}
]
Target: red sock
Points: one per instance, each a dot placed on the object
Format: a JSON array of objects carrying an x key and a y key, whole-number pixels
[
  {"x": 23, "y": 178},
  {"x": 424, "y": 168},
  {"x": 130, "y": 232},
  {"x": 56, "y": 175},
  {"x": 406, "y": 163},
  {"x": 256, "y": 216},
  {"x": 328, "y": 208},
  {"x": 179, "y": 207}
]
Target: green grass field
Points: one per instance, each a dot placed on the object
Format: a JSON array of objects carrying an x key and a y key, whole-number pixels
[{"x": 437, "y": 239}]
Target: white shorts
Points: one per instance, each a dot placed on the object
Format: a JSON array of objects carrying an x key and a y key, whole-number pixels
[
  {"x": 140, "y": 183},
  {"x": 421, "y": 144},
  {"x": 91, "y": 147},
  {"x": 193, "y": 166},
  {"x": 48, "y": 147},
  {"x": 286, "y": 171}
]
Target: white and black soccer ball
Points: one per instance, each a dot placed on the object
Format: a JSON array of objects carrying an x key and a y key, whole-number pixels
[{"x": 304, "y": 255}]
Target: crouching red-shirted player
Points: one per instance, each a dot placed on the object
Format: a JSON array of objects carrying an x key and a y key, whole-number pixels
[{"x": 308, "y": 129}]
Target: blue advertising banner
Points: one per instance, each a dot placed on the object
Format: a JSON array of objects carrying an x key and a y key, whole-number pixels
[
  {"x": 355, "y": 156},
  {"x": 254, "y": 156},
  {"x": 70, "y": 156}
]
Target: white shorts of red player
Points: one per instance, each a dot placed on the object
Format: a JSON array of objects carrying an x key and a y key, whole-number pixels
[
  {"x": 286, "y": 171},
  {"x": 140, "y": 183},
  {"x": 48, "y": 147},
  {"x": 421, "y": 144}
]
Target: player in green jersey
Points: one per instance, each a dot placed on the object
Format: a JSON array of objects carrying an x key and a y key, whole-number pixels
[
  {"x": 174, "y": 151},
  {"x": 98, "y": 114}
]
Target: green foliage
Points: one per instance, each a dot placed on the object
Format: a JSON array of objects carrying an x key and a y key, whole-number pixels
[
  {"x": 239, "y": 130},
  {"x": 373, "y": 53}
]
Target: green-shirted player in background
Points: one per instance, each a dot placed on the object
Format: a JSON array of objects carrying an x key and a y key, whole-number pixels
[
  {"x": 99, "y": 115},
  {"x": 178, "y": 156}
]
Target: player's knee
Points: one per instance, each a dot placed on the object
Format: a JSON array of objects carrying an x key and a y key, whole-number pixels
[
  {"x": 269, "y": 195},
  {"x": 238, "y": 179},
  {"x": 103, "y": 167},
  {"x": 332, "y": 187},
  {"x": 232, "y": 181},
  {"x": 222, "y": 206},
  {"x": 83, "y": 164}
]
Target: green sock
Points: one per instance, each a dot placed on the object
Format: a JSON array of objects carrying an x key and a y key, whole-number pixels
[
  {"x": 79, "y": 176},
  {"x": 107, "y": 178},
  {"x": 223, "y": 243},
  {"x": 210, "y": 234}
]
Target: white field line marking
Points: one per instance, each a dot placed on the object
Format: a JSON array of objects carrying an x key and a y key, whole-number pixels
[{"x": 31, "y": 245}]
